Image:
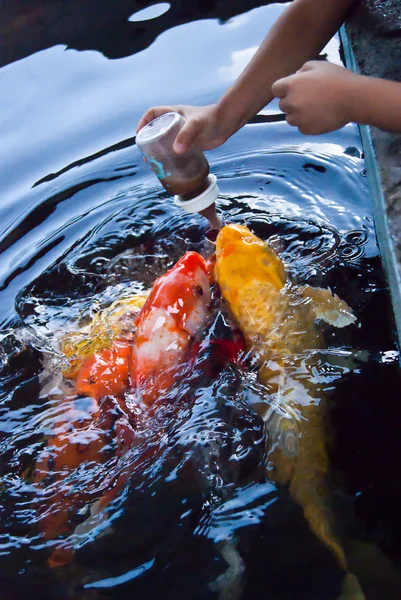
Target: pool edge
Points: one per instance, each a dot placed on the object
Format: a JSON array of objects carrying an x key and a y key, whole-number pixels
[{"x": 382, "y": 228}]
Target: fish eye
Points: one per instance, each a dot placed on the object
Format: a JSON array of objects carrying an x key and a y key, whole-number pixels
[{"x": 197, "y": 290}]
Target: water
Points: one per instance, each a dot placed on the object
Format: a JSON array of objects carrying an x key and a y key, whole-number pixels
[{"x": 83, "y": 223}]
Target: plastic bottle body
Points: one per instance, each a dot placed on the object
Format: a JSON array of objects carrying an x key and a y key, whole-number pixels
[{"x": 183, "y": 175}]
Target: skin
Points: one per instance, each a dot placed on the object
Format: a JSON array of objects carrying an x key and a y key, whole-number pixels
[
  {"x": 317, "y": 97},
  {"x": 322, "y": 97}
]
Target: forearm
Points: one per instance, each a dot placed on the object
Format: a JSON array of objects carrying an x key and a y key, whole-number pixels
[
  {"x": 376, "y": 102},
  {"x": 298, "y": 35}
]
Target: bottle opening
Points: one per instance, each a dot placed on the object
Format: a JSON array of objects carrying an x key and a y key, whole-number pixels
[{"x": 211, "y": 215}]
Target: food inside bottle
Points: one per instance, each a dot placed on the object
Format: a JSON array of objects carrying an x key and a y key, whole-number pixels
[{"x": 188, "y": 187}]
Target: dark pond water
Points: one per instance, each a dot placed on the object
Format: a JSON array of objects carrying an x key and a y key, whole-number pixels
[{"x": 83, "y": 222}]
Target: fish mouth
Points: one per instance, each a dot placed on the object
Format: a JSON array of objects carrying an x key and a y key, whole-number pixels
[{"x": 231, "y": 235}]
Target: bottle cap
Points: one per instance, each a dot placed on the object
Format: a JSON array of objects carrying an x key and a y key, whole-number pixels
[{"x": 205, "y": 199}]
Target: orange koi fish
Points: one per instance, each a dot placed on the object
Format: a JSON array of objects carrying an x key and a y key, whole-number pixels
[{"x": 146, "y": 365}]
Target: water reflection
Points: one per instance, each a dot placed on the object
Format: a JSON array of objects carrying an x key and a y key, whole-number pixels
[
  {"x": 86, "y": 24},
  {"x": 152, "y": 12}
]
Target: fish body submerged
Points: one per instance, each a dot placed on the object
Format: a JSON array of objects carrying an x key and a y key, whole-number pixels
[
  {"x": 116, "y": 322},
  {"x": 278, "y": 322}
]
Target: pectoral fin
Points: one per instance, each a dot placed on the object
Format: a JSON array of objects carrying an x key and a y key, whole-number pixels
[{"x": 328, "y": 306}]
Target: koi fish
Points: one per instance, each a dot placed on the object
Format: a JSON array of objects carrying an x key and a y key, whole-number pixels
[
  {"x": 85, "y": 432},
  {"x": 212, "y": 440},
  {"x": 278, "y": 322},
  {"x": 115, "y": 322},
  {"x": 172, "y": 314},
  {"x": 144, "y": 357}
]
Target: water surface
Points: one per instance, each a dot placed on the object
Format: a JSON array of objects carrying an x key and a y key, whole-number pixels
[{"x": 83, "y": 222}]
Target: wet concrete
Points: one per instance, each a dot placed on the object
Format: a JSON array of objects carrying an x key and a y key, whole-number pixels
[{"x": 374, "y": 30}]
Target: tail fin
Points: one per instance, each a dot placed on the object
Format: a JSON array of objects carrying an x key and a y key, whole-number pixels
[{"x": 351, "y": 589}]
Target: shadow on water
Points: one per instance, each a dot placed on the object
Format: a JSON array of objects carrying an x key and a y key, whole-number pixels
[
  {"x": 84, "y": 223},
  {"x": 33, "y": 25}
]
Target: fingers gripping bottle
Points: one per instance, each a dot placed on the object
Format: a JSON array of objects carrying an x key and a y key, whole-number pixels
[{"x": 186, "y": 176}]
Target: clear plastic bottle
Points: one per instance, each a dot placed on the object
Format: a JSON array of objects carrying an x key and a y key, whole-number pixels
[{"x": 186, "y": 176}]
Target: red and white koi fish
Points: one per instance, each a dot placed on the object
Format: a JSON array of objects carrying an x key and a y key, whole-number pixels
[{"x": 176, "y": 307}]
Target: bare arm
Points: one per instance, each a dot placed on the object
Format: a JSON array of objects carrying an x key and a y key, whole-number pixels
[
  {"x": 297, "y": 36},
  {"x": 376, "y": 102}
]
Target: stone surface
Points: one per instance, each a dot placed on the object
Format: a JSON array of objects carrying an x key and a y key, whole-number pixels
[{"x": 374, "y": 30}]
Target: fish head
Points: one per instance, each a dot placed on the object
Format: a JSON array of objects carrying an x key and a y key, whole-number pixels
[
  {"x": 251, "y": 277},
  {"x": 242, "y": 257},
  {"x": 183, "y": 293}
]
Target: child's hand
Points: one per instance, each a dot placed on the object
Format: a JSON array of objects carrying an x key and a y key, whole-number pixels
[
  {"x": 201, "y": 127},
  {"x": 318, "y": 98}
]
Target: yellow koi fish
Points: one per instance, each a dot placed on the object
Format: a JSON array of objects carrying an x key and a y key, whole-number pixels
[{"x": 278, "y": 322}]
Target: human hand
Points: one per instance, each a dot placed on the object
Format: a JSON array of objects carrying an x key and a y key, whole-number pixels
[
  {"x": 202, "y": 126},
  {"x": 318, "y": 98}
]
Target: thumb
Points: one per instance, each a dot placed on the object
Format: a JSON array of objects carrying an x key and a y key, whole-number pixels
[
  {"x": 188, "y": 134},
  {"x": 280, "y": 87}
]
